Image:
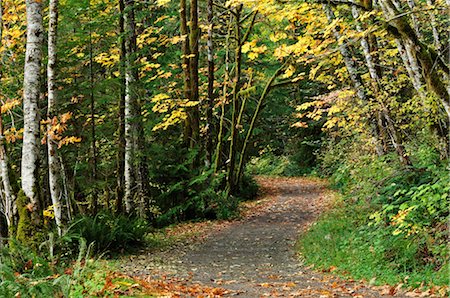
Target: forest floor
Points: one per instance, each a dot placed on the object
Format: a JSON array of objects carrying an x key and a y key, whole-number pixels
[{"x": 252, "y": 256}]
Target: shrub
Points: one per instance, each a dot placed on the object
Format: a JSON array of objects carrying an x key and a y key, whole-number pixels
[{"x": 110, "y": 232}]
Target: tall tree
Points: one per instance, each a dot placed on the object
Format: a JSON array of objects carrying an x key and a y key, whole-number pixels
[
  {"x": 7, "y": 192},
  {"x": 31, "y": 92},
  {"x": 121, "y": 130},
  {"x": 130, "y": 103},
  {"x": 210, "y": 103},
  {"x": 194, "y": 40},
  {"x": 54, "y": 166}
]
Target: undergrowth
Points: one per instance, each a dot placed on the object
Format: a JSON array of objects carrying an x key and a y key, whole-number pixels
[
  {"x": 270, "y": 164},
  {"x": 390, "y": 225}
]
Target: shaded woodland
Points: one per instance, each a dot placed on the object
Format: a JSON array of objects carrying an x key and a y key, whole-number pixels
[{"x": 121, "y": 117}]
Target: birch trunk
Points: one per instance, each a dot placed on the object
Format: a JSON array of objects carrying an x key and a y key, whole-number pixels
[
  {"x": 417, "y": 84},
  {"x": 31, "y": 141},
  {"x": 395, "y": 136},
  {"x": 7, "y": 192},
  {"x": 355, "y": 77},
  {"x": 429, "y": 62},
  {"x": 414, "y": 20},
  {"x": 8, "y": 195},
  {"x": 54, "y": 168},
  {"x": 365, "y": 46},
  {"x": 436, "y": 38},
  {"x": 129, "y": 105},
  {"x": 345, "y": 52}
]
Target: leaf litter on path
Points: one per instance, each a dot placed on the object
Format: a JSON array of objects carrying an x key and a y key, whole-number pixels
[{"x": 253, "y": 256}]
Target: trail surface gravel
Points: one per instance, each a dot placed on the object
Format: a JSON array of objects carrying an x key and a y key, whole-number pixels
[{"x": 253, "y": 256}]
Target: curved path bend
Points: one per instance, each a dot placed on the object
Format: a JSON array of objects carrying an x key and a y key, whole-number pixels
[{"x": 254, "y": 256}]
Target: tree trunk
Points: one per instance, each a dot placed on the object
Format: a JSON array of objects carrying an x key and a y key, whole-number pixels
[
  {"x": 219, "y": 146},
  {"x": 32, "y": 75},
  {"x": 194, "y": 38},
  {"x": 121, "y": 130},
  {"x": 210, "y": 104},
  {"x": 395, "y": 136},
  {"x": 253, "y": 122},
  {"x": 186, "y": 66},
  {"x": 7, "y": 192},
  {"x": 436, "y": 38},
  {"x": 355, "y": 77},
  {"x": 414, "y": 20},
  {"x": 54, "y": 173},
  {"x": 429, "y": 61},
  {"x": 8, "y": 195},
  {"x": 130, "y": 104},
  {"x": 235, "y": 108}
]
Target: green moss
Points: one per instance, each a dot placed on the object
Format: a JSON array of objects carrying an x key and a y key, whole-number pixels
[{"x": 29, "y": 228}]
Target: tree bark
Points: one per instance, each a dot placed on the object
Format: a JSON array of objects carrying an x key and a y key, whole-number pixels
[
  {"x": 414, "y": 20},
  {"x": 54, "y": 173},
  {"x": 130, "y": 104},
  {"x": 210, "y": 104},
  {"x": 121, "y": 130},
  {"x": 235, "y": 107},
  {"x": 429, "y": 61},
  {"x": 194, "y": 38},
  {"x": 355, "y": 77},
  {"x": 32, "y": 75},
  {"x": 186, "y": 66},
  {"x": 93, "y": 161},
  {"x": 395, "y": 136},
  {"x": 436, "y": 37},
  {"x": 261, "y": 100},
  {"x": 8, "y": 195},
  {"x": 219, "y": 146}
]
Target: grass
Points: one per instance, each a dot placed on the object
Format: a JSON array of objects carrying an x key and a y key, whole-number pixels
[{"x": 343, "y": 241}]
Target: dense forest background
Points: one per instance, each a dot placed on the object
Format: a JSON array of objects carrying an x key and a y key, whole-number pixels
[{"x": 140, "y": 114}]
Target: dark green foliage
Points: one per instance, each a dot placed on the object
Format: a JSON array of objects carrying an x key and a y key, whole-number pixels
[
  {"x": 204, "y": 197},
  {"x": 109, "y": 232},
  {"x": 19, "y": 266}
]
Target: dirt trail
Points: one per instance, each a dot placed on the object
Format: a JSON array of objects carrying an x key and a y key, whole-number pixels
[{"x": 254, "y": 256}]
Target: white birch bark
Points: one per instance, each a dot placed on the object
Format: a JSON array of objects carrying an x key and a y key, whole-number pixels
[
  {"x": 395, "y": 139},
  {"x": 355, "y": 77},
  {"x": 54, "y": 167},
  {"x": 365, "y": 46},
  {"x": 406, "y": 52},
  {"x": 434, "y": 28},
  {"x": 414, "y": 20},
  {"x": 346, "y": 55},
  {"x": 414, "y": 63},
  {"x": 33, "y": 59},
  {"x": 7, "y": 192},
  {"x": 130, "y": 144}
]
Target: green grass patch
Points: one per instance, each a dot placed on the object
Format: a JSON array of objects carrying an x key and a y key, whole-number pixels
[{"x": 343, "y": 240}]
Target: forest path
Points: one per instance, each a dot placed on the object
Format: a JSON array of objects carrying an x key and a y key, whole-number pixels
[{"x": 254, "y": 256}]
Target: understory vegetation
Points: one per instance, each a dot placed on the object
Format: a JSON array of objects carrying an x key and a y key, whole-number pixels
[
  {"x": 122, "y": 117},
  {"x": 390, "y": 224}
]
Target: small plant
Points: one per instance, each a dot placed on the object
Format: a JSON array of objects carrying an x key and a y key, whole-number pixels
[{"x": 109, "y": 232}]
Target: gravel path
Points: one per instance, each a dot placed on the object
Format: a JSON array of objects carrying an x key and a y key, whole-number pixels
[{"x": 254, "y": 256}]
